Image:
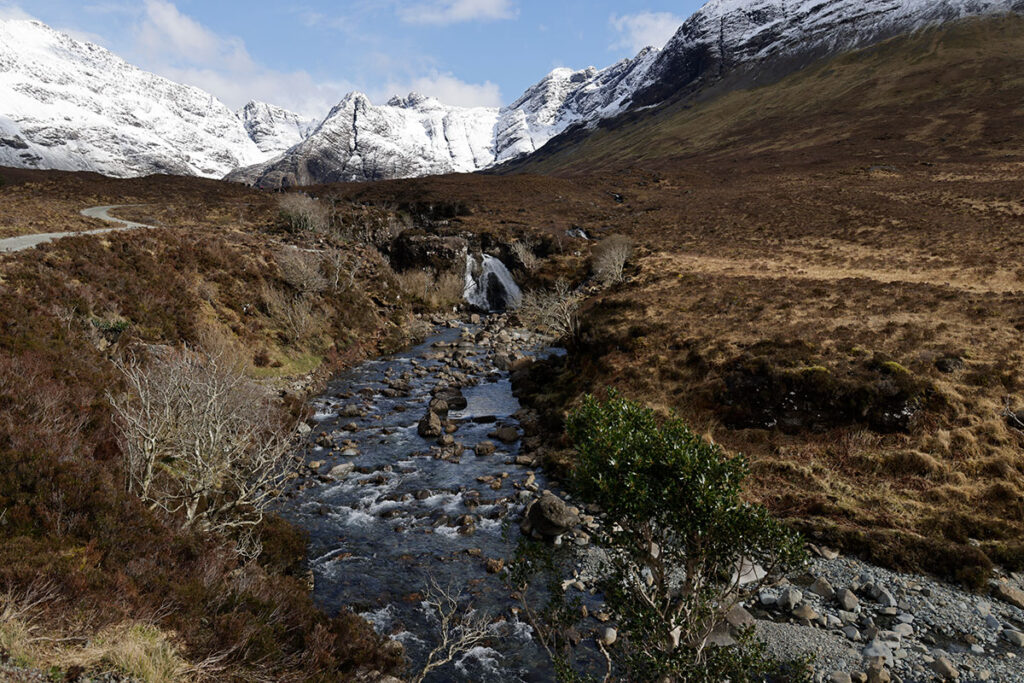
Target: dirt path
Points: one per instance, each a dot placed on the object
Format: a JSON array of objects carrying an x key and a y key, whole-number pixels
[{"x": 101, "y": 212}]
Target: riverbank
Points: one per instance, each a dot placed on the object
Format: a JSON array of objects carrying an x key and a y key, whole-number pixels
[
  {"x": 855, "y": 620},
  {"x": 82, "y": 560}
]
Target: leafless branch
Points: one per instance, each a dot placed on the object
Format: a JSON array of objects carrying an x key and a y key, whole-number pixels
[
  {"x": 201, "y": 441},
  {"x": 460, "y": 628}
]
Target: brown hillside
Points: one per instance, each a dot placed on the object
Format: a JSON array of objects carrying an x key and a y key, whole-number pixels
[{"x": 850, "y": 237}]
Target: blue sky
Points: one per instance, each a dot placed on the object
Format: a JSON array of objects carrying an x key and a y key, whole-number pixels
[{"x": 306, "y": 55}]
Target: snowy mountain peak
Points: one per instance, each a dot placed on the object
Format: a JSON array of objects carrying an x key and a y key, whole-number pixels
[
  {"x": 73, "y": 105},
  {"x": 413, "y": 100},
  {"x": 274, "y": 129}
]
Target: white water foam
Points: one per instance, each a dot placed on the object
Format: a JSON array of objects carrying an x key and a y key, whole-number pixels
[{"x": 479, "y": 275}]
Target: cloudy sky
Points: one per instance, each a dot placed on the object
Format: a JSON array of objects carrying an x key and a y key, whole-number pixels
[{"x": 306, "y": 55}]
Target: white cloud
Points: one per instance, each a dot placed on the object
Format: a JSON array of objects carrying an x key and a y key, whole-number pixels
[
  {"x": 444, "y": 12},
  {"x": 158, "y": 37},
  {"x": 178, "y": 47},
  {"x": 637, "y": 31},
  {"x": 446, "y": 88},
  {"x": 11, "y": 11}
]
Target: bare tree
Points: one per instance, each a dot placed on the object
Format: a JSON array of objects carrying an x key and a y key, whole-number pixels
[
  {"x": 303, "y": 213},
  {"x": 552, "y": 310},
  {"x": 301, "y": 270},
  {"x": 201, "y": 441},
  {"x": 294, "y": 313},
  {"x": 342, "y": 271},
  {"x": 610, "y": 257},
  {"x": 523, "y": 251},
  {"x": 460, "y": 628}
]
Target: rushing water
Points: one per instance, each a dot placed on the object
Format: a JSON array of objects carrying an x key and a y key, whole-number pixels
[
  {"x": 380, "y": 534},
  {"x": 489, "y": 286}
]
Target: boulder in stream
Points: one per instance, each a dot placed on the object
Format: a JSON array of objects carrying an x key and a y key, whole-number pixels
[
  {"x": 430, "y": 426},
  {"x": 485, "y": 448},
  {"x": 549, "y": 516}
]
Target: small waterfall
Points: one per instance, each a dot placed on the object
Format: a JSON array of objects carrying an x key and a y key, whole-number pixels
[{"x": 489, "y": 285}]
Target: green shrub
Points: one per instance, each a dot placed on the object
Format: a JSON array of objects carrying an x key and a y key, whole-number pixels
[{"x": 676, "y": 532}]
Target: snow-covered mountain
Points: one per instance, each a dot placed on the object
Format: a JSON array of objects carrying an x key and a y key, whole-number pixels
[
  {"x": 406, "y": 137},
  {"x": 418, "y": 135},
  {"x": 274, "y": 129},
  {"x": 72, "y": 105},
  {"x": 749, "y": 41}
]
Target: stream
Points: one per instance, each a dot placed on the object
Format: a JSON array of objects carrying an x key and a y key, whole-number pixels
[{"x": 388, "y": 510}]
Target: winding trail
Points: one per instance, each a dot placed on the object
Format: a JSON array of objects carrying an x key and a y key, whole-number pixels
[{"x": 22, "y": 242}]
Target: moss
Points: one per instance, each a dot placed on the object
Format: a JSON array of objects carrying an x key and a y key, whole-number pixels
[{"x": 894, "y": 368}]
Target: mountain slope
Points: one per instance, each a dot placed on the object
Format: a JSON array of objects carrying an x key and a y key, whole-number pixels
[
  {"x": 754, "y": 41},
  {"x": 70, "y": 105},
  {"x": 950, "y": 89},
  {"x": 274, "y": 129}
]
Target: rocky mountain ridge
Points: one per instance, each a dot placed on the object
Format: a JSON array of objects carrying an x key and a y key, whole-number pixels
[
  {"x": 274, "y": 129},
  {"x": 71, "y": 105},
  {"x": 66, "y": 104},
  {"x": 749, "y": 42}
]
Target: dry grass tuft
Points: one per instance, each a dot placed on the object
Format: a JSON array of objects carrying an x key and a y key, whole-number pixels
[
  {"x": 436, "y": 291},
  {"x": 141, "y": 651}
]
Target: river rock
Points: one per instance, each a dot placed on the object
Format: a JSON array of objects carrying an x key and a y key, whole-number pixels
[
  {"x": 1014, "y": 637},
  {"x": 721, "y": 636},
  {"x": 505, "y": 434},
  {"x": 823, "y": 588},
  {"x": 341, "y": 471},
  {"x": 1008, "y": 593},
  {"x": 485, "y": 448},
  {"x": 877, "y": 648},
  {"x": 549, "y": 516},
  {"x": 847, "y": 600},
  {"x": 789, "y": 598},
  {"x": 351, "y": 410},
  {"x": 738, "y": 617},
  {"x": 944, "y": 669},
  {"x": 430, "y": 426},
  {"x": 608, "y": 636},
  {"x": 805, "y": 611}
]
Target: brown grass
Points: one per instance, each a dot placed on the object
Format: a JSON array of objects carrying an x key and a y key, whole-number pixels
[
  {"x": 435, "y": 291},
  {"x": 151, "y": 599}
]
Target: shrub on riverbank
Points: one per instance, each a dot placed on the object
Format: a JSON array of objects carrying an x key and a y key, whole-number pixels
[{"x": 681, "y": 544}]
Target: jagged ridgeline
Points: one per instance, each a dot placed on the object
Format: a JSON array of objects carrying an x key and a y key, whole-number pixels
[{"x": 128, "y": 122}]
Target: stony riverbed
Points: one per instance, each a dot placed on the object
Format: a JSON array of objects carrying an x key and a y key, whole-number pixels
[
  {"x": 418, "y": 470},
  {"x": 412, "y": 474}
]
